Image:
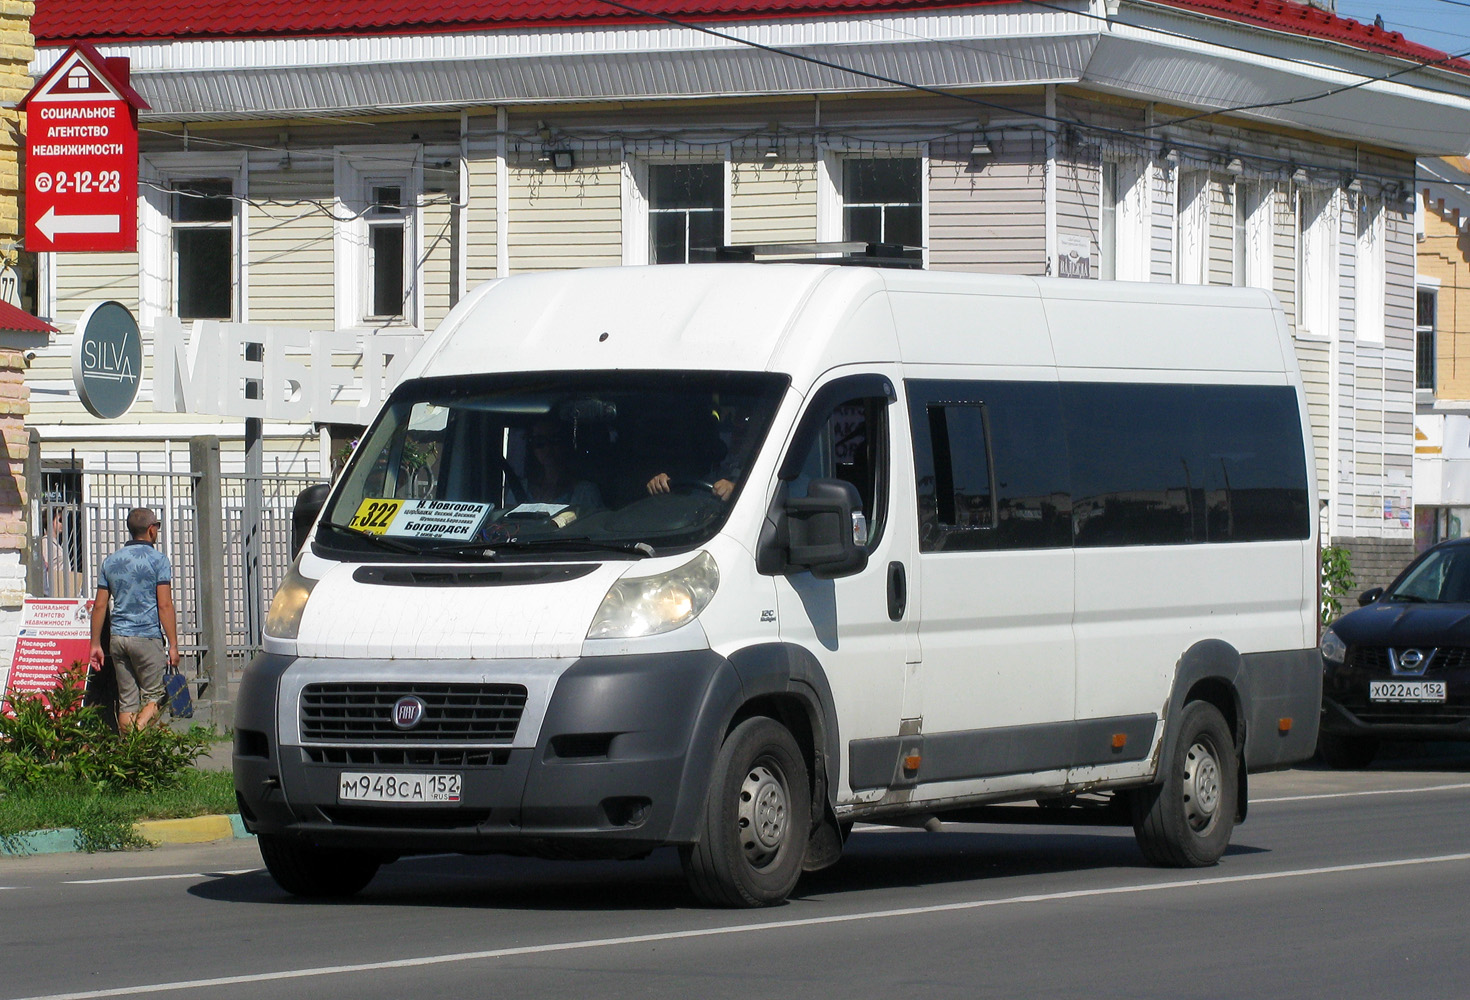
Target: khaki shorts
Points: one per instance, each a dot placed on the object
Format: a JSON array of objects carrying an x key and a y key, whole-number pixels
[{"x": 140, "y": 663}]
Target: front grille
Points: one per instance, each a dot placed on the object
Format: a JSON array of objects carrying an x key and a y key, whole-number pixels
[
  {"x": 405, "y": 757},
  {"x": 361, "y": 712},
  {"x": 1375, "y": 659}
]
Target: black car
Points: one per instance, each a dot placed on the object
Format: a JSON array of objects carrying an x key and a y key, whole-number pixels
[{"x": 1398, "y": 668}]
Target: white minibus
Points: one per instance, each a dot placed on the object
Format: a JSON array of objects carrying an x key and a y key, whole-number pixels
[{"x": 731, "y": 557}]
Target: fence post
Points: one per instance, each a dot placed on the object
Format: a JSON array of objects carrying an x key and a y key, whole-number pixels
[
  {"x": 209, "y": 507},
  {"x": 35, "y": 509}
]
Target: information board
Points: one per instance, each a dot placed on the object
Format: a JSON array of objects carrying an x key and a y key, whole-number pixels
[
  {"x": 54, "y": 634},
  {"x": 82, "y": 156}
]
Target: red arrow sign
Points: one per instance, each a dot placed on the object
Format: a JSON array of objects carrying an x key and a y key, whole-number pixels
[{"x": 82, "y": 157}]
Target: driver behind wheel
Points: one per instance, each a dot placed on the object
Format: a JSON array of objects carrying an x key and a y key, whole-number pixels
[{"x": 724, "y": 473}]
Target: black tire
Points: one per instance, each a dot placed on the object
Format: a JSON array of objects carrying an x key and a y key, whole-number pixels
[
  {"x": 317, "y": 872},
  {"x": 1185, "y": 821},
  {"x": 1346, "y": 753},
  {"x": 755, "y": 825}
]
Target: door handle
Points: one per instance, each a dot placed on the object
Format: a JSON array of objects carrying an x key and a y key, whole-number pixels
[{"x": 898, "y": 591}]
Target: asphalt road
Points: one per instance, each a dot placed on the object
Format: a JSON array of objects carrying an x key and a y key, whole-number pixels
[{"x": 1338, "y": 885}]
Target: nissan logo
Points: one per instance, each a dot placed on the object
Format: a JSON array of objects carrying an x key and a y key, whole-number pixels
[
  {"x": 1410, "y": 659},
  {"x": 408, "y": 712}
]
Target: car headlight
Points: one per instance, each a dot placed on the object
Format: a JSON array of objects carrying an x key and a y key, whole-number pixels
[
  {"x": 284, "y": 619},
  {"x": 649, "y": 605},
  {"x": 1334, "y": 650}
]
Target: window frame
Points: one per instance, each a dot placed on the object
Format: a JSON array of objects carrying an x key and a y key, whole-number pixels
[
  {"x": 1128, "y": 255},
  {"x": 357, "y": 172},
  {"x": 1317, "y": 292},
  {"x": 637, "y": 188},
  {"x": 1370, "y": 269},
  {"x": 831, "y": 203},
  {"x": 157, "y": 277},
  {"x": 1426, "y": 287}
]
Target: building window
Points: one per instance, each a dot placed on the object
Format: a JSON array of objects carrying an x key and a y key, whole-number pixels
[
  {"x": 686, "y": 211},
  {"x": 386, "y": 222},
  {"x": 1317, "y": 221},
  {"x": 1369, "y": 276},
  {"x": 1426, "y": 306},
  {"x": 202, "y": 229},
  {"x": 376, "y": 246},
  {"x": 1123, "y": 242},
  {"x": 883, "y": 201}
]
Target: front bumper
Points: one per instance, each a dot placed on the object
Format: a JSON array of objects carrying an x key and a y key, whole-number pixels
[
  {"x": 619, "y": 765},
  {"x": 1347, "y": 710}
]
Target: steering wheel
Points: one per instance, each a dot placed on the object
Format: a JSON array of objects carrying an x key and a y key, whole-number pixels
[{"x": 688, "y": 484}]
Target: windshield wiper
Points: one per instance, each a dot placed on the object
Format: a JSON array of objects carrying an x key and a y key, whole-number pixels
[
  {"x": 574, "y": 544},
  {"x": 1411, "y": 598}
]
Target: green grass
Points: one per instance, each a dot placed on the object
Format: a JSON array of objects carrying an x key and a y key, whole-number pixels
[{"x": 104, "y": 819}]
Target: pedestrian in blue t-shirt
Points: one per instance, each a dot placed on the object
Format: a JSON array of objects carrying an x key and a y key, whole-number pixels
[{"x": 136, "y": 579}]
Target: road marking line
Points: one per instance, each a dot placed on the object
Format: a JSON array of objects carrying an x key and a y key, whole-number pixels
[
  {"x": 1348, "y": 795},
  {"x": 159, "y": 878},
  {"x": 708, "y": 932}
]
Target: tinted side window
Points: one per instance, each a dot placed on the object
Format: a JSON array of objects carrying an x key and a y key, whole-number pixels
[
  {"x": 1171, "y": 464},
  {"x": 1131, "y": 445},
  {"x": 1012, "y": 428},
  {"x": 1254, "y": 469}
]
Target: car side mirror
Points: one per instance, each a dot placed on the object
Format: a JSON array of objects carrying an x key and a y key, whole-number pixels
[
  {"x": 309, "y": 503},
  {"x": 1367, "y": 597},
  {"x": 825, "y": 531}
]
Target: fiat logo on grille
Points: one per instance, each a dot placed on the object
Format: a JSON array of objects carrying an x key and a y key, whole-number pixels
[{"x": 408, "y": 712}]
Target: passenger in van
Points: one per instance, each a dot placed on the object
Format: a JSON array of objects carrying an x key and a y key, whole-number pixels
[{"x": 550, "y": 474}]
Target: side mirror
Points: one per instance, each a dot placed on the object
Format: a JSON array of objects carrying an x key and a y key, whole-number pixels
[
  {"x": 1367, "y": 597},
  {"x": 309, "y": 504},
  {"x": 825, "y": 531}
]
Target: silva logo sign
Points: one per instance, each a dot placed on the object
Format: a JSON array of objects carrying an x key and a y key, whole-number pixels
[
  {"x": 107, "y": 359},
  {"x": 408, "y": 712}
]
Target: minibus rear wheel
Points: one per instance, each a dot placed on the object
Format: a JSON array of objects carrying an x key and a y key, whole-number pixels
[
  {"x": 756, "y": 821},
  {"x": 304, "y": 870},
  {"x": 1185, "y": 821}
]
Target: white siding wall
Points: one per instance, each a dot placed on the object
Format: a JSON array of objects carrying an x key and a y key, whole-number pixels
[
  {"x": 773, "y": 203},
  {"x": 989, "y": 214},
  {"x": 291, "y": 246},
  {"x": 565, "y": 219}
]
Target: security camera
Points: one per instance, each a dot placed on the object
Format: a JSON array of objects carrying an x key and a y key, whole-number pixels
[{"x": 29, "y": 356}]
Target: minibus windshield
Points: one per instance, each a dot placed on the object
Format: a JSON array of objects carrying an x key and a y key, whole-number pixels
[{"x": 570, "y": 463}]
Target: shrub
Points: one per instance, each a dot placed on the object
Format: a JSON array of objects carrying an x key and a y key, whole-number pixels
[
  {"x": 51, "y": 737},
  {"x": 1337, "y": 580}
]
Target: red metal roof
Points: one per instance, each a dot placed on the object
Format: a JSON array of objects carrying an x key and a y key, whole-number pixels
[
  {"x": 13, "y": 320},
  {"x": 61, "y": 22}
]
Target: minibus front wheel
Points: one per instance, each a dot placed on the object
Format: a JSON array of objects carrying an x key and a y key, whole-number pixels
[
  {"x": 756, "y": 822},
  {"x": 1185, "y": 820},
  {"x": 304, "y": 870}
]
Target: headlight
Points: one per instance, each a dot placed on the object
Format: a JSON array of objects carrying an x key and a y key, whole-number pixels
[
  {"x": 652, "y": 604},
  {"x": 284, "y": 619},
  {"x": 1334, "y": 650}
]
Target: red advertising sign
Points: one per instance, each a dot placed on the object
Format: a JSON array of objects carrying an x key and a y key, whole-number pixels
[
  {"x": 54, "y": 634},
  {"x": 82, "y": 156}
]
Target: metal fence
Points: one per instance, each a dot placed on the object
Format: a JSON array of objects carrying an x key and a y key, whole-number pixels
[{"x": 79, "y": 526}]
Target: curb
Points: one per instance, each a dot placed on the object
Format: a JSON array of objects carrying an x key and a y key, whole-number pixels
[{"x": 195, "y": 830}]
